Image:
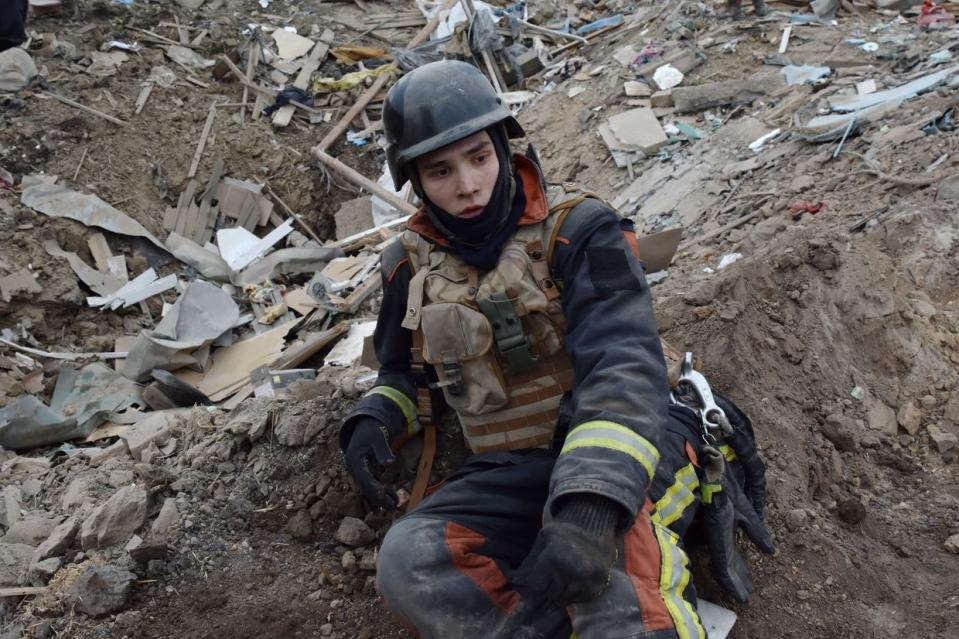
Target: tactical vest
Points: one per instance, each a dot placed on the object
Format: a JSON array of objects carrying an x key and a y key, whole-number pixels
[{"x": 496, "y": 339}]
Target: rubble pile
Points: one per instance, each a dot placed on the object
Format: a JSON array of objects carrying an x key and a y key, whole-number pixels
[{"x": 194, "y": 198}]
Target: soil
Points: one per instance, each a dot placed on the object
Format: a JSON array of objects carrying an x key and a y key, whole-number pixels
[{"x": 825, "y": 325}]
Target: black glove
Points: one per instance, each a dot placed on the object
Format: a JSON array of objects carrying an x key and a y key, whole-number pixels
[
  {"x": 573, "y": 556},
  {"x": 370, "y": 441},
  {"x": 725, "y": 507},
  {"x": 743, "y": 442}
]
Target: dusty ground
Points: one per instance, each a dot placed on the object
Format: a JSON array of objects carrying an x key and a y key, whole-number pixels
[{"x": 820, "y": 332}]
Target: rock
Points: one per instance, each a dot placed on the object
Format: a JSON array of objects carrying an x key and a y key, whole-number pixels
[
  {"x": 948, "y": 189},
  {"x": 10, "y": 506},
  {"x": 300, "y": 526},
  {"x": 77, "y": 493},
  {"x": 881, "y": 418},
  {"x": 796, "y": 519},
  {"x": 116, "y": 520},
  {"x": 296, "y": 428},
  {"x": 120, "y": 478},
  {"x": 14, "y": 562},
  {"x": 662, "y": 99},
  {"x": 144, "y": 552},
  {"x": 131, "y": 619},
  {"x": 326, "y": 629},
  {"x": 952, "y": 544},
  {"x": 153, "y": 430},
  {"x": 824, "y": 258},
  {"x": 942, "y": 440},
  {"x": 928, "y": 401},
  {"x": 59, "y": 540},
  {"x": 100, "y": 590},
  {"x": 354, "y": 532},
  {"x": 910, "y": 418},
  {"x": 841, "y": 431},
  {"x": 851, "y": 511},
  {"x": 191, "y": 5},
  {"x": 43, "y": 571},
  {"x": 348, "y": 561},
  {"x": 250, "y": 418},
  {"x": 31, "y": 531},
  {"x": 701, "y": 294},
  {"x": 166, "y": 518},
  {"x": 368, "y": 560},
  {"x": 18, "y": 69}
]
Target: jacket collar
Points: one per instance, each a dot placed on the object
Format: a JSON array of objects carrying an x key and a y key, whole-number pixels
[{"x": 536, "y": 210}]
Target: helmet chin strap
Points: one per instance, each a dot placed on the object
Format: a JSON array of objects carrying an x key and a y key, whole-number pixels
[{"x": 476, "y": 231}]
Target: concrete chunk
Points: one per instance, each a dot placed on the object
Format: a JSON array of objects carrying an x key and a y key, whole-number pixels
[
  {"x": 637, "y": 130},
  {"x": 116, "y": 520},
  {"x": 31, "y": 531},
  {"x": 59, "y": 540},
  {"x": 100, "y": 590}
]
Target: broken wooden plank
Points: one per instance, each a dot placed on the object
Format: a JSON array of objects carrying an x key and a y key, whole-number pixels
[
  {"x": 22, "y": 591},
  {"x": 100, "y": 251},
  {"x": 361, "y": 180},
  {"x": 270, "y": 93},
  {"x": 380, "y": 82},
  {"x": 145, "y": 91},
  {"x": 207, "y": 127},
  {"x": 284, "y": 114},
  {"x": 202, "y": 231},
  {"x": 252, "y": 60},
  {"x": 183, "y": 207},
  {"x": 360, "y": 293},
  {"x": 82, "y": 107}
]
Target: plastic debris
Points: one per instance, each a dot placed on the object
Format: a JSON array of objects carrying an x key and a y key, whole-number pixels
[
  {"x": 804, "y": 74},
  {"x": 731, "y": 258},
  {"x": 667, "y": 76}
]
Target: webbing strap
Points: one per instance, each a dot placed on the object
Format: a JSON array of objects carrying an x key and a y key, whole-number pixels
[{"x": 426, "y": 464}]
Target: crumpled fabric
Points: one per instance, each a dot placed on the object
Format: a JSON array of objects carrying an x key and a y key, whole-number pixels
[{"x": 287, "y": 95}]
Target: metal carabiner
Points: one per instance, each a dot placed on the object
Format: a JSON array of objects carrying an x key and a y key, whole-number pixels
[{"x": 694, "y": 385}]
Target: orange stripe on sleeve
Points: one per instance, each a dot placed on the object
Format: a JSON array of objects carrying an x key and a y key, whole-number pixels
[
  {"x": 462, "y": 543},
  {"x": 643, "y": 561}
]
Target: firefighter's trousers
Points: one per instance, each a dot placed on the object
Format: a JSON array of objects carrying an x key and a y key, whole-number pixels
[{"x": 445, "y": 567}]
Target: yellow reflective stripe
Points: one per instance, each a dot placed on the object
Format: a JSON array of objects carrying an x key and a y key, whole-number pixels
[
  {"x": 707, "y": 491},
  {"x": 673, "y": 580},
  {"x": 727, "y": 452},
  {"x": 677, "y": 497},
  {"x": 603, "y": 434},
  {"x": 405, "y": 404}
]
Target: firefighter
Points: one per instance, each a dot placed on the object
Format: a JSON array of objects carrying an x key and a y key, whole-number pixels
[{"x": 527, "y": 306}]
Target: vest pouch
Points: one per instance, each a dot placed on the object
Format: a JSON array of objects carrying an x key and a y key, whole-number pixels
[{"x": 458, "y": 343}]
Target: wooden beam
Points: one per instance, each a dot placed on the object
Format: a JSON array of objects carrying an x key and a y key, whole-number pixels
[
  {"x": 207, "y": 127},
  {"x": 252, "y": 61},
  {"x": 22, "y": 592},
  {"x": 82, "y": 107},
  {"x": 378, "y": 84},
  {"x": 364, "y": 182}
]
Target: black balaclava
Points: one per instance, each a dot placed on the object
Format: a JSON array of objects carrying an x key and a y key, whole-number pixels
[{"x": 477, "y": 231}]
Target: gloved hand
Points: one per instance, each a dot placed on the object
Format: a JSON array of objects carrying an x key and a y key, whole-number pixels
[
  {"x": 573, "y": 556},
  {"x": 724, "y": 508},
  {"x": 370, "y": 441},
  {"x": 743, "y": 442}
]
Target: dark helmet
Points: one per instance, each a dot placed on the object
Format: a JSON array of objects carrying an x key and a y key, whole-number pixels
[{"x": 435, "y": 105}]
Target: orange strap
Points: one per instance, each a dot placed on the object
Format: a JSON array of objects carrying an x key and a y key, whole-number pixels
[{"x": 426, "y": 464}]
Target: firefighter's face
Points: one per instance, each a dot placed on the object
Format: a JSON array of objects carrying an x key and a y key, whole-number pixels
[{"x": 459, "y": 178}]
